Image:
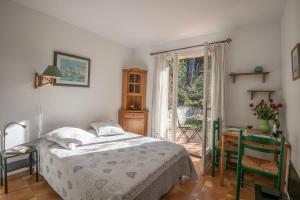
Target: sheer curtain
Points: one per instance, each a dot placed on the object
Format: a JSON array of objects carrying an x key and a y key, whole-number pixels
[
  {"x": 159, "y": 117},
  {"x": 218, "y": 83}
]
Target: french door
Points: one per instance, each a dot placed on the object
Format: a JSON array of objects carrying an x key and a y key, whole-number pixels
[{"x": 188, "y": 97}]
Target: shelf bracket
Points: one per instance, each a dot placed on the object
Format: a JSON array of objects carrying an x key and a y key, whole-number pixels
[
  {"x": 253, "y": 92},
  {"x": 233, "y": 78},
  {"x": 264, "y": 78}
]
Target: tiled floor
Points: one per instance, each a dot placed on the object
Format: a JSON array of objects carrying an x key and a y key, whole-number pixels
[
  {"x": 24, "y": 187},
  {"x": 193, "y": 148},
  {"x": 208, "y": 188}
]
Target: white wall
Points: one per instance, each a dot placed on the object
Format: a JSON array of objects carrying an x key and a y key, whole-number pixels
[
  {"x": 291, "y": 89},
  {"x": 251, "y": 45},
  {"x": 27, "y": 42}
]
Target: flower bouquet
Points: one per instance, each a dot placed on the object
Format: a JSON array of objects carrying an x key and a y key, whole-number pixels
[{"x": 266, "y": 111}]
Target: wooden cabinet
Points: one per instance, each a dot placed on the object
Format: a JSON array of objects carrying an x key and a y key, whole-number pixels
[
  {"x": 134, "y": 121},
  {"x": 133, "y": 116}
]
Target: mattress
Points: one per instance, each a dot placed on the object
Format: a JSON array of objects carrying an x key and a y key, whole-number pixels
[{"x": 126, "y": 167}]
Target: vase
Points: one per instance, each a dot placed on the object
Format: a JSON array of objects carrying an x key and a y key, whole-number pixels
[
  {"x": 265, "y": 126},
  {"x": 259, "y": 69}
]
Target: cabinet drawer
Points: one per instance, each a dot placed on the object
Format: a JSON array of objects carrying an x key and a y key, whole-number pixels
[
  {"x": 133, "y": 125},
  {"x": 133, "y": 115}
]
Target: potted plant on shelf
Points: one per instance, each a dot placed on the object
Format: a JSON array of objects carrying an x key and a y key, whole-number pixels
[{"x": 266, "y": 112}]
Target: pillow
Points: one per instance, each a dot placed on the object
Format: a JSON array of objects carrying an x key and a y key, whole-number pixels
[
  {"x": 92, "y": 131},
  {"x": 107, "y": 128},
  {"x": 69, "y": 137}
]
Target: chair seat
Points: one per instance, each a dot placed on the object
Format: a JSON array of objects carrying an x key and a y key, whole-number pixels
[
  {"x": 262, "y": 165},
  {"x": 229, "y": 147}
]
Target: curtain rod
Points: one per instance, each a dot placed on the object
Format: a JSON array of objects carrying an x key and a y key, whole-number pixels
[{"x": 228, "y": 40}]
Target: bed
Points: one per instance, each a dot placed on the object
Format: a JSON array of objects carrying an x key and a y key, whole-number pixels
[{"x": 126, "y": 167}]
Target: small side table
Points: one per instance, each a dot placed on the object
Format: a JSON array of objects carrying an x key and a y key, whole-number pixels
[{"x": 19, "y": 164}]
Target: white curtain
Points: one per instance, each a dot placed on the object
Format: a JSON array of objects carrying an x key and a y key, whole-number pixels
[
  {"x": 218, "y": 83},
  {"x": 159, "y": 119}
]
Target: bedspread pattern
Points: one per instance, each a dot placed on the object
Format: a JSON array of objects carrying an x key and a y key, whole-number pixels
[{"x": 116, "y": 167}]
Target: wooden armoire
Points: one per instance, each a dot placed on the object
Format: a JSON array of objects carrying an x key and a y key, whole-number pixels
[{"x": 133, "y": 116}]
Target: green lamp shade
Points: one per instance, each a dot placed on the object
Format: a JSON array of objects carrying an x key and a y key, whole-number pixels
[{"x": 52, "y": 71}]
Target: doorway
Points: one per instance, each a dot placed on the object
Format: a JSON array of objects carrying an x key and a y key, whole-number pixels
[{"x": 188, "y": 101}]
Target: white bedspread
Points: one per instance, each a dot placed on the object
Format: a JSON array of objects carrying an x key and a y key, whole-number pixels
[{"x": 111, "y": 168}]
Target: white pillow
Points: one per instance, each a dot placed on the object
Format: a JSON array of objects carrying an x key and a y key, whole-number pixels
[
  {"x": 107, "y": 128},
  {"x": 92, "y": 131},
  {"x": 69, "y": 137}
]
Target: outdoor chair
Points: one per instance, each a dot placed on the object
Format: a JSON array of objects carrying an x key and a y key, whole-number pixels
[{"x": 186, "y": 124}]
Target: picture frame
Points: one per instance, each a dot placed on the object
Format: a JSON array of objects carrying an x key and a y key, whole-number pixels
[
  {"x": 75, "y": 70},
  {"x": 295, "y": 55}
]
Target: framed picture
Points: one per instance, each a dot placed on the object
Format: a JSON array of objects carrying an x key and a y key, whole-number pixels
[
  {"x": 75, "y": 70},
  {"x": 296, "y": 61}
]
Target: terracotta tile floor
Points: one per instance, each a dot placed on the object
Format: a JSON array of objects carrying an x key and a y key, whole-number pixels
[
  {"x": 23, "y": 187},
  {"x": 194, "y": 146}
]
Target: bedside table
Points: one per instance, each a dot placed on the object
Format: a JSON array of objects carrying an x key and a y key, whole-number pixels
[{"x": 19, "y": 164}]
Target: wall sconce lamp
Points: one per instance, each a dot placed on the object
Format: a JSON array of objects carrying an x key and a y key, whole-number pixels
[{"x": 50, "y": 74}]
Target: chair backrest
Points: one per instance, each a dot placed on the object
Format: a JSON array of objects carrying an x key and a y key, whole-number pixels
[{"x": 261, "y": 143}]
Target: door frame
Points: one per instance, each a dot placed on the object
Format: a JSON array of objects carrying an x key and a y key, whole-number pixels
[
  {"x": 204, "y": 51},
  {"x": 205, "y": 160}
]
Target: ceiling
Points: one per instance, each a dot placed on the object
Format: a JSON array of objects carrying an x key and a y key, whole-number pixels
[{"x": 137, "y": 23}]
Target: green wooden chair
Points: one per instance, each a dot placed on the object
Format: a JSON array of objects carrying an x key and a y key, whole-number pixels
[
  {"x": 231, "y": 149},
  {"x": 246, "y": 163}
]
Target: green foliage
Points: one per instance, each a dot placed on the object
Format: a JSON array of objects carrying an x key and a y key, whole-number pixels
[
  {"x": 193, "y": 123},
  {"x": 190, "y": 83}
]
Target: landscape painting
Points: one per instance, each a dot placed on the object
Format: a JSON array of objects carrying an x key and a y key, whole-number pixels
[{"x": 75, "y": 70}]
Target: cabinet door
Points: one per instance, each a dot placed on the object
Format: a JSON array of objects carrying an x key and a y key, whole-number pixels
[
  {"x": 134, "y": 83},
  {"x": 134, "y": 126}
]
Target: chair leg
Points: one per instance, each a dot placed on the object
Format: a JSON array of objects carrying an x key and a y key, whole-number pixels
[
  {"x": 183, "y": 133},
  {"x": 1, "y": 176},
  {"x": 227, "y": 159},
  {"x": 1, "y": 172},
  {"x": 238, "y": 176},
  {"x": 238, "y": 184},
  {"x": 217, "y": 158},
  {"x": 242, "y": 178},
  {"x": 196, "y": 133},
  {"x": 179, "y": 136},
  {"x": 213, "y": 164},
  {"x": 186, "y": 136},
  {"x": 278, "y": 183}
]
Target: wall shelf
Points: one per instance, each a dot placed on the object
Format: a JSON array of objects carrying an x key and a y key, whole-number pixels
[
  {"x": 263, "y": 74},
  {"x": 253, "y": 92}
]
